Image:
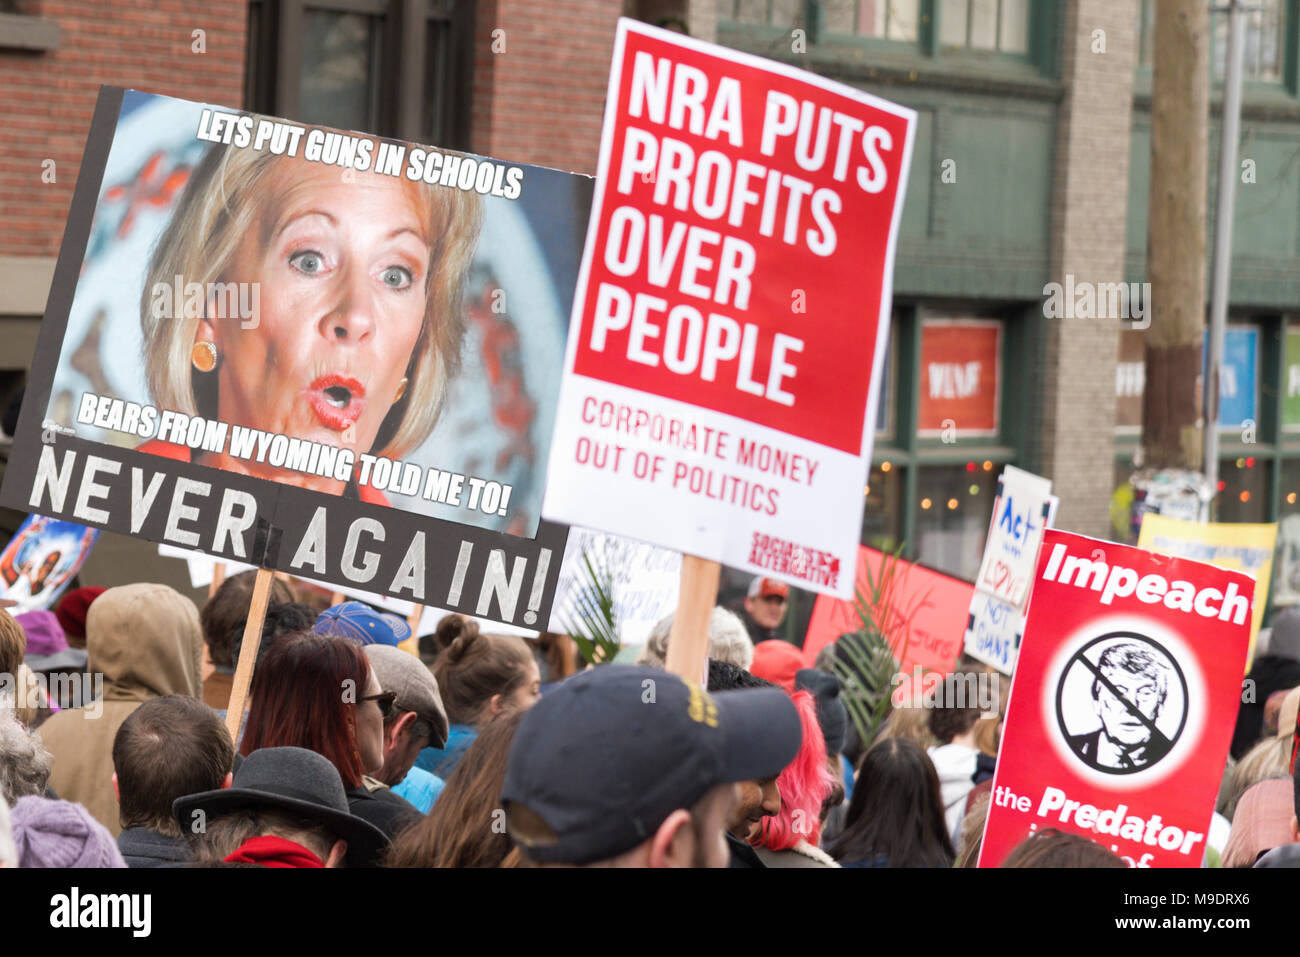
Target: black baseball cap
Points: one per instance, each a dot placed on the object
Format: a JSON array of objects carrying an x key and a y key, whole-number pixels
[{"x": 609, "y": 754}]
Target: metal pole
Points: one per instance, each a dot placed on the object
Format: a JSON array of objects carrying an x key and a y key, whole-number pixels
[{"x": 1229, "y": 131}]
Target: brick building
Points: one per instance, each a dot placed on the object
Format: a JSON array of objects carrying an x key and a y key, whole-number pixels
[{"x": 1030, "y": 167}]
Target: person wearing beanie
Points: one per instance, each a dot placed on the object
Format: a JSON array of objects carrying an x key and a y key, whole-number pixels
[
  {"x": 778, "y": 661},
  {"x": 72, "y": 611},
  {"x": 145, "y": 640},
  {"x": 1276, "y": 671},
  {"x": 60, "y": 834},
  {"x": 833, "y": 719}
]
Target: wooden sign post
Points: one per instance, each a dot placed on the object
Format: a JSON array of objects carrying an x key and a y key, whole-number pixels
[
  {"x": 218, "y": 576},
  {"x": 688, "y": 641},
  {"x": 248, "y": 652}
]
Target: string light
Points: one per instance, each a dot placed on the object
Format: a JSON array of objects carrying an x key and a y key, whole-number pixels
[
  {"x": 1290, "y": 499},
  {"x": 974, "y": 489},
  {"x": 925, "y": 503},
  {"x": 885, "y": 466},
  {"x": 988, "y": 466},
  {"x": 1241, "y": 463},
  {"x": 1245, "y": 496},
  {"x": 952, "y": 503}
]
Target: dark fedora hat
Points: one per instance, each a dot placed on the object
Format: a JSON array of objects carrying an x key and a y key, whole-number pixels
[{"x": 296, "y": 780}]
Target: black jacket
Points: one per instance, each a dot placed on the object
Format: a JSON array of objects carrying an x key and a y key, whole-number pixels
[
  {"x": 145, "y": 847},
  {"x": 742, "y": 855},
  {"x": 382, "y": 808},
  {"x": 1270, "y": 673}
]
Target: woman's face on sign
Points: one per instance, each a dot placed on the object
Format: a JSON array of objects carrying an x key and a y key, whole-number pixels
[{"x": 342, "y": 273}]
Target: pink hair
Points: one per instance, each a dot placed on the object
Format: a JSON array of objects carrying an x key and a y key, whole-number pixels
[{"x": 804, "y": 785}]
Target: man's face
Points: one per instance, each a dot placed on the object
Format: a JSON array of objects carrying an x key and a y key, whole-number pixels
[
  {"x": 710, "y": 822},
  {"x": 756, "y": 800},
  {"x": 768, "y": 611},
  {"x": 1142, "y": 691},
  {"x": 400, "y": 754}
]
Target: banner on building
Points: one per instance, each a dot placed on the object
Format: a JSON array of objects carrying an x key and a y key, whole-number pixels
[
  {"x": 1122, "y": 708},
  {"x": 39, "y": 561},
  {"x": 322, "y": 352},
  {"x": 1022, "y": 511},
  {"x": 926, "y": 618},
  {"x": 1241, "y": 547},
  {"x": 960, "y": 377},
  {"x": 729, "y": 328}
]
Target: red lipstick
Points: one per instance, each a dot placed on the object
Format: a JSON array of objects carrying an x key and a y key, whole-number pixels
[{"x": 337, "y": 400}]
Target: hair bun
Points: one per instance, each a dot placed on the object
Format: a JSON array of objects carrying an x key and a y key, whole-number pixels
[
  {"x": 451, "y": 629},
  {"x": 464, "y": 644}
]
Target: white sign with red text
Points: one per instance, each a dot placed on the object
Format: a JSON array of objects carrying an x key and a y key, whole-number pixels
[{"x": 727, "y": 337}]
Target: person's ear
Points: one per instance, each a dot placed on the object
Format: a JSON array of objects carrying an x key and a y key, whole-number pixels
[
  {"x": 673, "y": 844},
  {"x": 206, "y": 330},
  {"x": 337, "y": 853},
  {"x": 117, "y": 794},
  {"x": 494, "y": 705},
  {"x": 393, "y": 732},
  {"x": 227, "y": 781}
]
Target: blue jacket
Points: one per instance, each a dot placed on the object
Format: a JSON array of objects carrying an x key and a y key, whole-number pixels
[
  {"x": 442, "y": 761},
  {"x": 420, "y": 788}
]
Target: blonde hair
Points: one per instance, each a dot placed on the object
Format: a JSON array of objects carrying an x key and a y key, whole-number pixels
[
  {"x": 1269, "y": 758},
  {"x": 911, "y": 723},
  {"x": 222, "y": 203}
]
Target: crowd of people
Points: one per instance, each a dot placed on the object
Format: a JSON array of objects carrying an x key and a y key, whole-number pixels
[{"x": 365, "y": 746}]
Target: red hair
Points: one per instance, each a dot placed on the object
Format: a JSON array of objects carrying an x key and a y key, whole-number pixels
[
  {"x": 804, "y": 785},
  {"x": 305, "y": 693}
]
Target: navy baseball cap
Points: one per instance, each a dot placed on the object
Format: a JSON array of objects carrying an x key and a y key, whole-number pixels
[
  {"x": 361, "y": 623},
  {"x": 605, "y": 758}
]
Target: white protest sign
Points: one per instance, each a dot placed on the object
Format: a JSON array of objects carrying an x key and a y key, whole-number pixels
[
  {"x": 731, "y": 316},
  {"x": 1023, "y": 508}
]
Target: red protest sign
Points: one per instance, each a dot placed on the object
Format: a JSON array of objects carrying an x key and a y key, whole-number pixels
[
  {"x": 938, "y": 605},
  {"x": 1122, "y": 707},
  {"x": 732, "y": 310}
]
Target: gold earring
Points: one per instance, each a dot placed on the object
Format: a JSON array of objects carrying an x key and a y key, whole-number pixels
[
  {"x": 401, "y": 391},
  {"x": 204, "y": 355}
]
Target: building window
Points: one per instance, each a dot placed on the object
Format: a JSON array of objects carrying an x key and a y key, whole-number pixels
[
  {"x": 1000, "y": 26},
  {"x": 1265, "y": 34},
  {"x": 397, "y": 68},
  {"x": 1265, "y": 47},
  {"x": 940, "y": 450},
  {"x": 1017, "y": 30}
]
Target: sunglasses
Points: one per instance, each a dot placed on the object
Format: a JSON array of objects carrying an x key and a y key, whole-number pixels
[{"x": 385, "y": 700}]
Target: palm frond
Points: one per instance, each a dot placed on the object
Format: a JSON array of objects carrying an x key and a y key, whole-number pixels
[{"x": 590, "y": 617}]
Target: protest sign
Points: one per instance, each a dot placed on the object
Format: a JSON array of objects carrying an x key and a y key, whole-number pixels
[
  {"x": 1022, "y": 510},
  {"x": 1286, "y": 584},
  {"x": 930, "y": 641},
  {"x": 39, "y": 561},
  {"x": 314, "y": 351},
  {"x": 644, "y": 582},
  {"x": 1123, "y": 703},
  {"x": 732, "y": 312},
  {"x": 1246, "y": 548}
]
